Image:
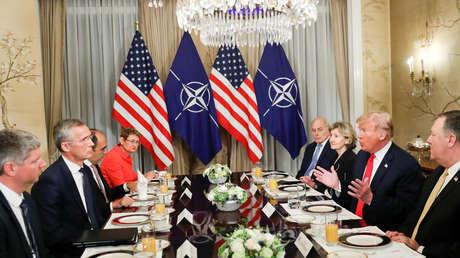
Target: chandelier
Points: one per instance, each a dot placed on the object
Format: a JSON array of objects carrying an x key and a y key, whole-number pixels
[{"x": 244, "y": 22}]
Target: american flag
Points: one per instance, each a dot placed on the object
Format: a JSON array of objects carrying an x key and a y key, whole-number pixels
[
  {"x": 139, "y": 103},
  {"x": 235, "y": 100}
]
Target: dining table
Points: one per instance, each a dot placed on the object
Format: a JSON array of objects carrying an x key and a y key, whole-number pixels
[{"x": 210, "y": 226}]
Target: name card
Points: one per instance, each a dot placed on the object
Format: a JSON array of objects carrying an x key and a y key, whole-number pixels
[
  {"x": 186, "y": 180},
  {"x": 187, "y": 193},
  {"x": 303, "y": 244},
  {"x": 186, "y": 249},
  {"x": 268, "y": 209},
  {"x": 185, "y": 214}
]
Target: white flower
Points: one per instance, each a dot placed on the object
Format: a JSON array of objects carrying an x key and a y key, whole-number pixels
[
  {"x": 266, "y": 252},
  {"x": 237, "y": 245},
  {"x": 252, "y": 244},
  {"x": 240, "y": 254},
  {"x": 269, "y": 238},
  {"x": 280, "y": 254}
]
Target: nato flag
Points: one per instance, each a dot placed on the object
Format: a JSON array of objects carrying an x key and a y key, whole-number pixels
[
  {"x": 191, "y": 110},
  {"x": 278, "y": 99}
]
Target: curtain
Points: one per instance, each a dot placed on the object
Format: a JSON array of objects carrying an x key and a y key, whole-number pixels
[
  {"x": 311, "y": 55},
  {"x": 340, "y": 32},
  {"x": 52, "y": 30},
  {"x": 98, "y": 36}
]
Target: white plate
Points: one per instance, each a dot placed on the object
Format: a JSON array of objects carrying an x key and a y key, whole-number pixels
[
  {"x": 300, "y": 218},
  {"x": 132, "y": 219},
  {"x": 364, "y": 240},
  {"x": 347, "y": 254},
  {"x": 289, "y": 188}
]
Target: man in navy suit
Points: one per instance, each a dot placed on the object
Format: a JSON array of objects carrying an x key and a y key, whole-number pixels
[
  {"x": 67, "y": 194},
  {"x": 110, "y": 193},
  {"x": 432, "y": 229},
  {"x": 317, "y": 153},
  {"x": 386, "y": 179},
  {"x": 20, "y": 166}
]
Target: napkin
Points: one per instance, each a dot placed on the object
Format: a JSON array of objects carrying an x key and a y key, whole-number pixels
[{"x": 141, "y": 178}]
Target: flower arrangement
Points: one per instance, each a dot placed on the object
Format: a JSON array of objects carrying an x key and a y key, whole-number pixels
[
  {"x": 227, "y": 192},
  {"x": 217, "y": 170},
  {"x": 247, "y": 242}
]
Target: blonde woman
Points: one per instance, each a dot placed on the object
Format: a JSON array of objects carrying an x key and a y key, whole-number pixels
[{"x": 343, "y": 141}]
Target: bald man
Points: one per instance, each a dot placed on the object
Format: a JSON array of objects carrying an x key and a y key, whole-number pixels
[{"x": 317, "y": 153}]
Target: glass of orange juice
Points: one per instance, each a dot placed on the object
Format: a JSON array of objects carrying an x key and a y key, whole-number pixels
[
  {"x": 160, "y": 208},
  {"x": 332, "y": 228},
  {"x": 258, "y": 171},
  {"x": 149, "y": 245}
]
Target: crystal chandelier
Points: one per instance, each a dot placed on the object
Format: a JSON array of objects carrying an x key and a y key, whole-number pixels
[{"x": 244, "y": 22}]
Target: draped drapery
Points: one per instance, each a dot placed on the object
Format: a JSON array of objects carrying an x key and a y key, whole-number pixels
[
  {"x": 52, "y": 30},
  {"x": 98, "y": 37},
  {"x": 340, "y": 33}
]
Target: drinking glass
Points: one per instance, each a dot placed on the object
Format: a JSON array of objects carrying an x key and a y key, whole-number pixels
[
  {"x": 332, "y": 228},
  {"x": 142, "y": 190},
  {"x": 294, "y": 201}
]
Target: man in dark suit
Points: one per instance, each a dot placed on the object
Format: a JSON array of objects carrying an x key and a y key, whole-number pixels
[
  {"x": 317, "y": 153},
  {"x": 432, "y": 229},
  {"x": 67, "y": 195},
  {"x": 20, "y": 166},
  {"x": 386, "y": 179},
  {"x": 110, "y": 193}
]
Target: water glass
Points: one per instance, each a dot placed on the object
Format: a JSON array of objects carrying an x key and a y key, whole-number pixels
[
  {"x": 142, "y": 190},
  {"x": 294, "y": 201}
]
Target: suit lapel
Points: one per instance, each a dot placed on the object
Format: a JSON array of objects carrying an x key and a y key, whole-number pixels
[
  {"x": 69, "y": 181},
  {"x": 384, "y": 166},
  {"x": 7, "y": 208},
  {"x": 452, "y": 185}
]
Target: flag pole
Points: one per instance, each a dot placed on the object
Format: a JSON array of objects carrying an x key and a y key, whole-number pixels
[{"x": 137, "y": 25}]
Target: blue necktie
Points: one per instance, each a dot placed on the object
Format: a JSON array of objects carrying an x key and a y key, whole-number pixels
[
  {"x": 30, "y": 231},
  {"x": 89, "y": 199},
  {"x": 314, "y": 160}
]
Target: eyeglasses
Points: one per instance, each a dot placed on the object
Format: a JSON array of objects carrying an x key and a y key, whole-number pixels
[{"x": 133, "y": 141}]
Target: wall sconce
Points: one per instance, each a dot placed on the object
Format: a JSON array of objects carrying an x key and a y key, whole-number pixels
[
  {"x": 155, "y": 3},
  {"x": 421, "y": 86}
]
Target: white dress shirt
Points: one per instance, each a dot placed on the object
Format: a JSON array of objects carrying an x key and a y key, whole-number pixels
[
  {"x": 379, "y": 155},
  {"x": 78, "y": 178},
  {"x": 15, "y": 200},
  {"x": 450, "y": 174}
]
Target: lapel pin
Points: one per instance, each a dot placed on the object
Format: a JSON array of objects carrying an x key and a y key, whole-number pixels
[
  {"x": 386, "y": 165},
  {"x": 455, "y": 179}
]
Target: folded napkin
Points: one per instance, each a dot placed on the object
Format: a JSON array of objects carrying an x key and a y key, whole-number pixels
[
  {"x": 393, "y": 249},
  {"x": 96, "y": 250}
]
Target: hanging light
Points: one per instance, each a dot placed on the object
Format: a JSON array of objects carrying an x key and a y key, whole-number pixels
[{"x": 244, "y": 22}]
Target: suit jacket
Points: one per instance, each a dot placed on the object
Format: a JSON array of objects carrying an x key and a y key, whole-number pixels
[
  {"x": 439, "y": 229},
  {"x": 13, "y": 242},
  {"x": 62, "y": 212},
  {"x": 343, "y": 166},
  {"x": 325, "y": 160},
  {"x": 395, "y": 187}
]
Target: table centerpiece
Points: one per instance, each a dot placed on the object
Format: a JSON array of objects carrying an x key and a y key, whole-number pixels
[
  {"x": 217, "y": 173},
  {"x": 252, "y": 242},
  {"x": 227, "y": 197}
]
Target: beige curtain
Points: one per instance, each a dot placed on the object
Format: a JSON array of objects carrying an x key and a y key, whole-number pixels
[
  {"x": 162, "y": 34},
  {"x": 52, "y": 29},
  {"x": 340, "y": 32}
]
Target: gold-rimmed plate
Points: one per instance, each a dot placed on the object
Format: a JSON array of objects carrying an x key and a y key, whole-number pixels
[
  {"x": 364, "y": 240},
  {"x": 322, "y": 208},
  {"x": 132, "y": 219},
  {"x": 150, "y": 197},
  {"x": 291, "y": 188},
  {"x": 276, "y": 175},
  {"x": 114, "y": 253}
]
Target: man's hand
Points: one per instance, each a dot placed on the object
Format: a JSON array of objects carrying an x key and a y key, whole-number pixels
[
  {"x": 151, "y": 175},
  {"x": 307, "y": 180},
  {"x": 329, "y": 179},
  {"x": 361, "y": 190},
  {"x": 125, "y": 201},
  {"x": 400, "y": 237},
  {"x": 132, "y": 186}
]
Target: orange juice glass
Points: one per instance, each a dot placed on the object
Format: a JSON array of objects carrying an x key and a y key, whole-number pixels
[
  {"x": 273, "y": 184},
  {"x": 163, "y": 189},
  {"x": 332, "y": 229},
  {"x": 168, "y": 176},
  {"x": 149, "y": 245},
  {"x": 160, "y": 208},
  {"x": 258, "y": 172}
]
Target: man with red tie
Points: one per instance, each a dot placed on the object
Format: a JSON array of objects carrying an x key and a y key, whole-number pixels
[
  {"x": 433, "y": 227},
  {"x": 386, "y": 179}
]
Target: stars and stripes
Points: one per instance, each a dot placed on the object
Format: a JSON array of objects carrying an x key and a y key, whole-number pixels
[
  {"x": 235, "y": 100},
  {"x": 139, "y": 103}
]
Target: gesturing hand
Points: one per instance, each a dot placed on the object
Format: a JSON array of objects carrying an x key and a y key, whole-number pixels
[
  {"x": 307, "y": 180},
  {"x": 330, "y": 179},
  {"x": 361, "y": 190}
]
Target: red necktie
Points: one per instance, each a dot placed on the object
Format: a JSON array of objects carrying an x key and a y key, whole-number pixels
[{"x": 367, "y": 174}]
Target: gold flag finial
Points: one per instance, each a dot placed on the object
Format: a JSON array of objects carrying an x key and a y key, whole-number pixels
[{"x": 137, "y": 25}]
